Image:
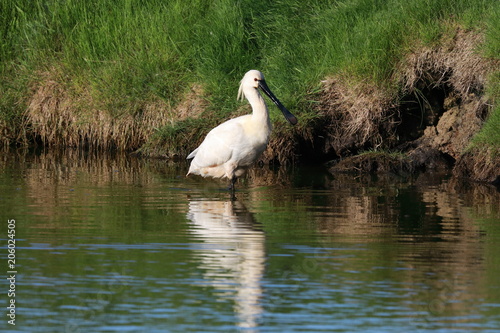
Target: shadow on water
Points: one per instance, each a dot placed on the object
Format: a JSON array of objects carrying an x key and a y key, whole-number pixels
[{"x": 299, "y": 249}]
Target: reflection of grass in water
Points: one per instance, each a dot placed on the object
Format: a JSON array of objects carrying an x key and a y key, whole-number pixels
[
  {"x": 74, "y": 189},
  {"x": 308, "y": 240}
]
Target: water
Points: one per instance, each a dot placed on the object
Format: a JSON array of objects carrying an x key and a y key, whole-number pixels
[{"x": 118, "y": 244}]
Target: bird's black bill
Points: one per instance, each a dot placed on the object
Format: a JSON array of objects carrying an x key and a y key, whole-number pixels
[{"x": 288, "y": 115}]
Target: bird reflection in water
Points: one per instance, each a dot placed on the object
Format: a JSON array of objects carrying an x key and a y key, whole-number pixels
[{"x": 233, "y": 255}]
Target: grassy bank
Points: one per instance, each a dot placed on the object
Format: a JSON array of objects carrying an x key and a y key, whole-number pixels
[{"x": 157, "y": 74}]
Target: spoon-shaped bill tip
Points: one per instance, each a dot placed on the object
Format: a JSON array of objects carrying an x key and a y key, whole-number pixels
[{"x": 288, "y": 115}]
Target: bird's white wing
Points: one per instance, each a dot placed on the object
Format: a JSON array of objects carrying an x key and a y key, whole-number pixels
[{"x": 219, "y": 144}]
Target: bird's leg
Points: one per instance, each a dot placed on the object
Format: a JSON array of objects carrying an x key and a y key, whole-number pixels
[{"x": 231, "y": 188}]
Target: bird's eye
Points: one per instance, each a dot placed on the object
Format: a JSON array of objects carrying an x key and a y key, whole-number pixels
[{"x": 256, "y": 79}]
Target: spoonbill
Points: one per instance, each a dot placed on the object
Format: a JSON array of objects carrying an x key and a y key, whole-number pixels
[{"x": 231, "y": 147}]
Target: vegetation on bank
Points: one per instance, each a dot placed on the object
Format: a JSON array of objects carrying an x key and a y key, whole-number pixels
[{"x": 157, "y": 75}]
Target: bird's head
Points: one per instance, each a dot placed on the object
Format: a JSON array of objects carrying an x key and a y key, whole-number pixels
[
  {"x": 255, "y": 79},
  {"x": 250, "y": 80}
]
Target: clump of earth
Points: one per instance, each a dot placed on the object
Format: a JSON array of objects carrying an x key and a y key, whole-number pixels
[{"x": 428, "y": 126}]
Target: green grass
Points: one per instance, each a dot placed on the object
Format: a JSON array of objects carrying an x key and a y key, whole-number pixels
[
  {"x": 125, "y": 53},
  {"x": 489, "y": 136}
]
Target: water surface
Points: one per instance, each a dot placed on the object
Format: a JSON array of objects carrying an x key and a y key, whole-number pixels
[{"x": 112, "y": 243}]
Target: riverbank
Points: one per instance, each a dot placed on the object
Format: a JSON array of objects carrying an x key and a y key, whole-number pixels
[{"x": 418, "y": 78}]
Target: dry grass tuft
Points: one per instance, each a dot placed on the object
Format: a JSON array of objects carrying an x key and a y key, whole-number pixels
[
  {"x": 479, "y": 165},
  {"x": 193, "y": 103},
  {"x": 457, "y": 62},
  {"x": 354, "y": 114},
  {"x": 59, "y": 118},
  {"x": 282, "y": 145}
]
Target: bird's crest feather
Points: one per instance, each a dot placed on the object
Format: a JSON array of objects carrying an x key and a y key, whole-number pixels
[{"x": 241, "y": 94}]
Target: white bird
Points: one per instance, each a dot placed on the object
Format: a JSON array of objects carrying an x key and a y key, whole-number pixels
[{"x": 230, "y": 148}]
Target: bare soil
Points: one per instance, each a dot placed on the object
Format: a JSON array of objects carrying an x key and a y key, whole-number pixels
[{"x": 432, "y": 122}]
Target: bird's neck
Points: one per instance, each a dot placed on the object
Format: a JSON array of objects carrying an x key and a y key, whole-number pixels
[{"x": 259, "y": 108}]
